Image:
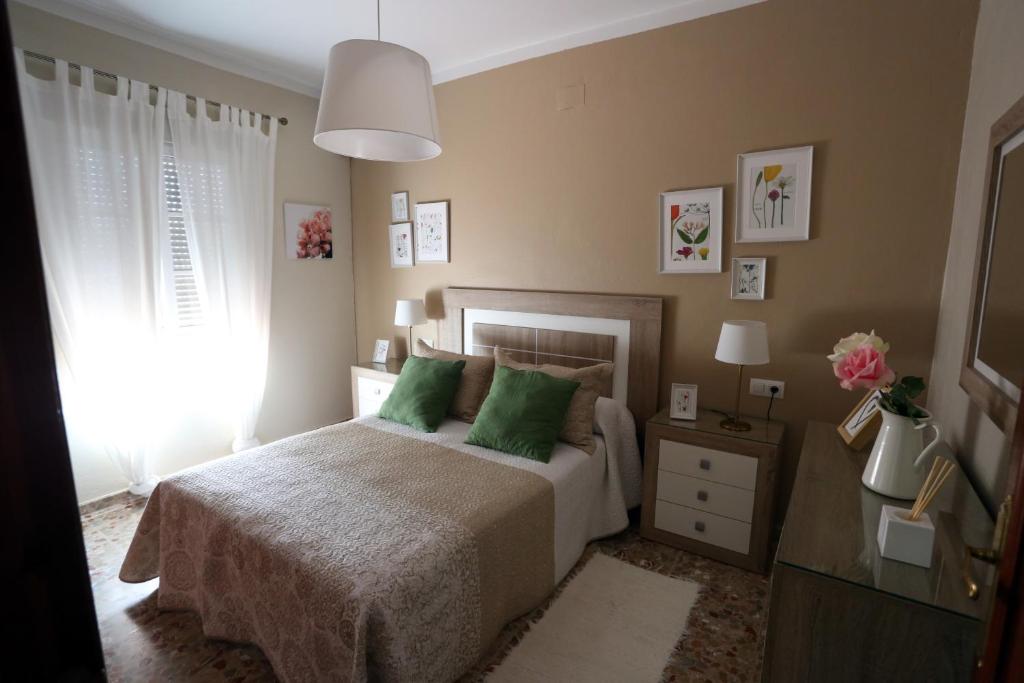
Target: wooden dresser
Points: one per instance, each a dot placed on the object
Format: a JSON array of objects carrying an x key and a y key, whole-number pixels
[
  {"x": 841, "y": 612},
  {"x": 709, "y": 490},
  {"x": 372, "y": 383}
]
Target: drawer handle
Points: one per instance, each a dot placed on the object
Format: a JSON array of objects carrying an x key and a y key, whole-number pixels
[
  {"x": 699, "y": 526},
  {"x": 702, "y": 495},
  {"x": 705, "y": 464}
]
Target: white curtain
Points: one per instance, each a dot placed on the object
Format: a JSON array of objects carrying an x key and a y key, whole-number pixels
[
  {"x": 226, "y": 172},
  {"x": 95, "y": 161}
]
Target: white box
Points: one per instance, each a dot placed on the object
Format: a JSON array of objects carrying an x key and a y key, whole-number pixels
[{"x": 903, "y": 540}]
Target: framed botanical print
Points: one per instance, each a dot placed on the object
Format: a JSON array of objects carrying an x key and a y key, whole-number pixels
[
  {"x": 690, "y": 231},
  {"x": 380, "y": 350},
  {"x": 773, "y": 195},
  {"x": 399, "y": 207},
  {"x": 684, "y": 402},
  {"x": 401, "y": 245},
  {"x": 432, "y": 227},
  {"x": 749, "y": 278}
]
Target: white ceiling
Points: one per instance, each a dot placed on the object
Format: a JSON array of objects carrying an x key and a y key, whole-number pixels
[{"x": 285, "y": 42}]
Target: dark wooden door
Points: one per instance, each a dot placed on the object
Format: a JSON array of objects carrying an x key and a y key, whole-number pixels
[
  {"x": 49, "y": 629},
  {"x": 1003, "y": 655}
]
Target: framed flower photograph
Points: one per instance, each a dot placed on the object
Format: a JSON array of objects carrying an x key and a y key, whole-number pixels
[
  {"x": 307, "y": 231},
  {"x": 773, "y": 195},
  {"x": 749, "y": 278},
  {"x": 684, "y": 402},
  {"x": 401, "y": 245},
  {"x": 432, "y": 232},
  {"x": 690, "y": 231},
  {"x": 380, "y": 351},
  {"x": 399, "y": 207}
]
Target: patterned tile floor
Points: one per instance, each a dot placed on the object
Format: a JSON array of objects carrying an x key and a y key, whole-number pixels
[{"x": 723, "y": 641}]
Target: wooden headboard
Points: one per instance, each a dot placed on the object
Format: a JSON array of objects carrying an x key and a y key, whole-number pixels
[{"x": 565, "y": 329}]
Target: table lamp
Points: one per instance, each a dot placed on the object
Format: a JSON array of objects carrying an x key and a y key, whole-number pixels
[
  {"x": 742, "y": 342},
  {"x": 409, "y": 312}
]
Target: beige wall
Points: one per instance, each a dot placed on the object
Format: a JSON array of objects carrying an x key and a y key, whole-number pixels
[
  {"x": 997, "y": 81},
  {"x": 567, "y": 200},
  {"x": 312, "y": 333}
]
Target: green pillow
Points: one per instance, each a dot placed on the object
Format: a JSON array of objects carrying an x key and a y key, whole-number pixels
[
  {"x": 523, "y": 413},
  {"x": 423, "y": 392}
]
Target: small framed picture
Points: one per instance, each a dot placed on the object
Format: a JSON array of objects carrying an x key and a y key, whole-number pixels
[
  {"x": 773, "y": 195},
  {"x": 432, "y": 227},
  {"x": 749, "y": 278},
  {"x": 860, "y": 426},
  {"x": 684, "y": 402},
  {"x": 399, "y": 207},
  {"x": 380, "y": 351},
  {"x": 307, "y": 231},
  {"x": 401, "y": 245},
  {"x": 690, "y": 231}
]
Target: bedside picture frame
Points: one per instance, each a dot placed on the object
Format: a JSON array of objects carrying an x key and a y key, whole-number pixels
[
  {"x": 749, "y": 278},
  {"x": 773, "y": 195},
  {"x": 432, "y": 231},
  {"x": 690, "y": 231},
  {"x": 380, "y": 350},
  {"x": 684, "y": 402},
  {"x": 400, "y": 245},
  {"x": 400, "y": 207},
  {"x": 862, "y": 424}
]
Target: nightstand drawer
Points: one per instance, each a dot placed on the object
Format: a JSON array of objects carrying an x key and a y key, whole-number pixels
[
  {"x": 703, "y": 526},
  {"x": 721, "y": 499},
  {"x": 372, "y": 393},
  {"x": 708, "y": 464}
]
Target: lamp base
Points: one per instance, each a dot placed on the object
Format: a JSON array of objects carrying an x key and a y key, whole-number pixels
[{"x": 734, "y": 425}]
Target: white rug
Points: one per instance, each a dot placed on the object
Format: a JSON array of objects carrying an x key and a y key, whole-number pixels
[{"x": 613, "y": 622}]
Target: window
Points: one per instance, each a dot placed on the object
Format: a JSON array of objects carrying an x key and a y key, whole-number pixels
[{"x": 188, "y": 307}]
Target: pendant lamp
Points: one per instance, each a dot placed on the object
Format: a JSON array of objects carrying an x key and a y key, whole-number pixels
[{"x": 377, "y": 103}]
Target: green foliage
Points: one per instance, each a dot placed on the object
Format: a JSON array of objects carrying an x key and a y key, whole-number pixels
[
  {"x": 760, "y": 174},
  {"x": 703, "y": 235},
  {"x": 899, "y": 398},
  {"x": 684, "y": 237}
]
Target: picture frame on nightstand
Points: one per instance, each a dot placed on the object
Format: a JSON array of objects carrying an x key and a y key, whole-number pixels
[{"x": 684, "y": 402}]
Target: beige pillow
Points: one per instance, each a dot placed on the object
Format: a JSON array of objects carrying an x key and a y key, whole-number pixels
[
  {"x": 474, "y": 385},
  {"x": 579, "y": 420}
]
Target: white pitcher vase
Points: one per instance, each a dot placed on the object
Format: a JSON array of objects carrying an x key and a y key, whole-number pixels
[{"x": 896, "y": 466}]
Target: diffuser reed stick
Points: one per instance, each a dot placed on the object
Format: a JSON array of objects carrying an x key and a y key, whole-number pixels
[{"x": 941, "y": 469}]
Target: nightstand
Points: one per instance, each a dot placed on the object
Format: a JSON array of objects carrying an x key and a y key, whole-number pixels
[
  {"x": 372, "y": 383},
  {"x": 711, "y": 491}
]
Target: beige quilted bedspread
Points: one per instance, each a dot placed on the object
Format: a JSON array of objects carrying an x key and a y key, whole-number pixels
[{"x": 350, "y": 553}]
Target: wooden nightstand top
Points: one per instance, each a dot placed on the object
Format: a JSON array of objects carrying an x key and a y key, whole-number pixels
[
  {"x": 707, "y": 421},
  {"x": 392, "y": 367}
]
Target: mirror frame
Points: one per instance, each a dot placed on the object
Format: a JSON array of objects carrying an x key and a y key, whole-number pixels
[{"x": 999, "y": 406}]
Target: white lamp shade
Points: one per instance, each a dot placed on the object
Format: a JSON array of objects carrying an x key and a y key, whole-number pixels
[
  {"x": 377, "y": 103},
  {"x": 410, "y": 312},
  {"x": 743, "y": 342}
]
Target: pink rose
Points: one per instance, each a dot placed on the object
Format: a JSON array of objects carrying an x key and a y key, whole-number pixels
[{"x": 863, "y": 368}]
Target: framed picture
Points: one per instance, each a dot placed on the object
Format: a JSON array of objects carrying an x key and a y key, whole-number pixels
[
  {"x": 684, "y": 402},
  {"x": 401, "y": 245},
  {"x": 380, "y": 351},
  {"x": 690, "y": 231},
  {"x": 862, "y": 424},
  {"x": 307, "y": 231},
  {"x": 749, "y": 278},
  {"x": 773, "y": 195},
  {"x": 432, "y": 232},
  {"x": 399, "y": 207}
]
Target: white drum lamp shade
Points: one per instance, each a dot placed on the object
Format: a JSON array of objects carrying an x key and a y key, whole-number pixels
[
  {"x": 377, "y": 103},
  {"x": 743, "y": 342},
  {"x": 410, "y": 312}
]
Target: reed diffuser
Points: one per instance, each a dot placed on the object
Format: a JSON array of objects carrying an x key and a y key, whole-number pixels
[
  {"x": 941, "y": 469},
  {"x": 909, "y": 535}
]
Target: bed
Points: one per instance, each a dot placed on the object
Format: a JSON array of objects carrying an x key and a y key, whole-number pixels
[{"x": 369, "y": 550}]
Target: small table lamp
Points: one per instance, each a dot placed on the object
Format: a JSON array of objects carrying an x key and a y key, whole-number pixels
[
  {"x": 742, "y": 342},
  {"x": 409, "y": 312}
]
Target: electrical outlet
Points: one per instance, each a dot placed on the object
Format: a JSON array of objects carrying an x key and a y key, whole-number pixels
[{"x": 763, "y": 387}]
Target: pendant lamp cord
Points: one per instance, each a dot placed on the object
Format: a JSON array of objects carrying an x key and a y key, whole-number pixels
[{"x": 378, "y": 21}]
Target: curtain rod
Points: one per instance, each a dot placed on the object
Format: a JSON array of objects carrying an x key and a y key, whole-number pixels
[{"x": 106, "y": 74}]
